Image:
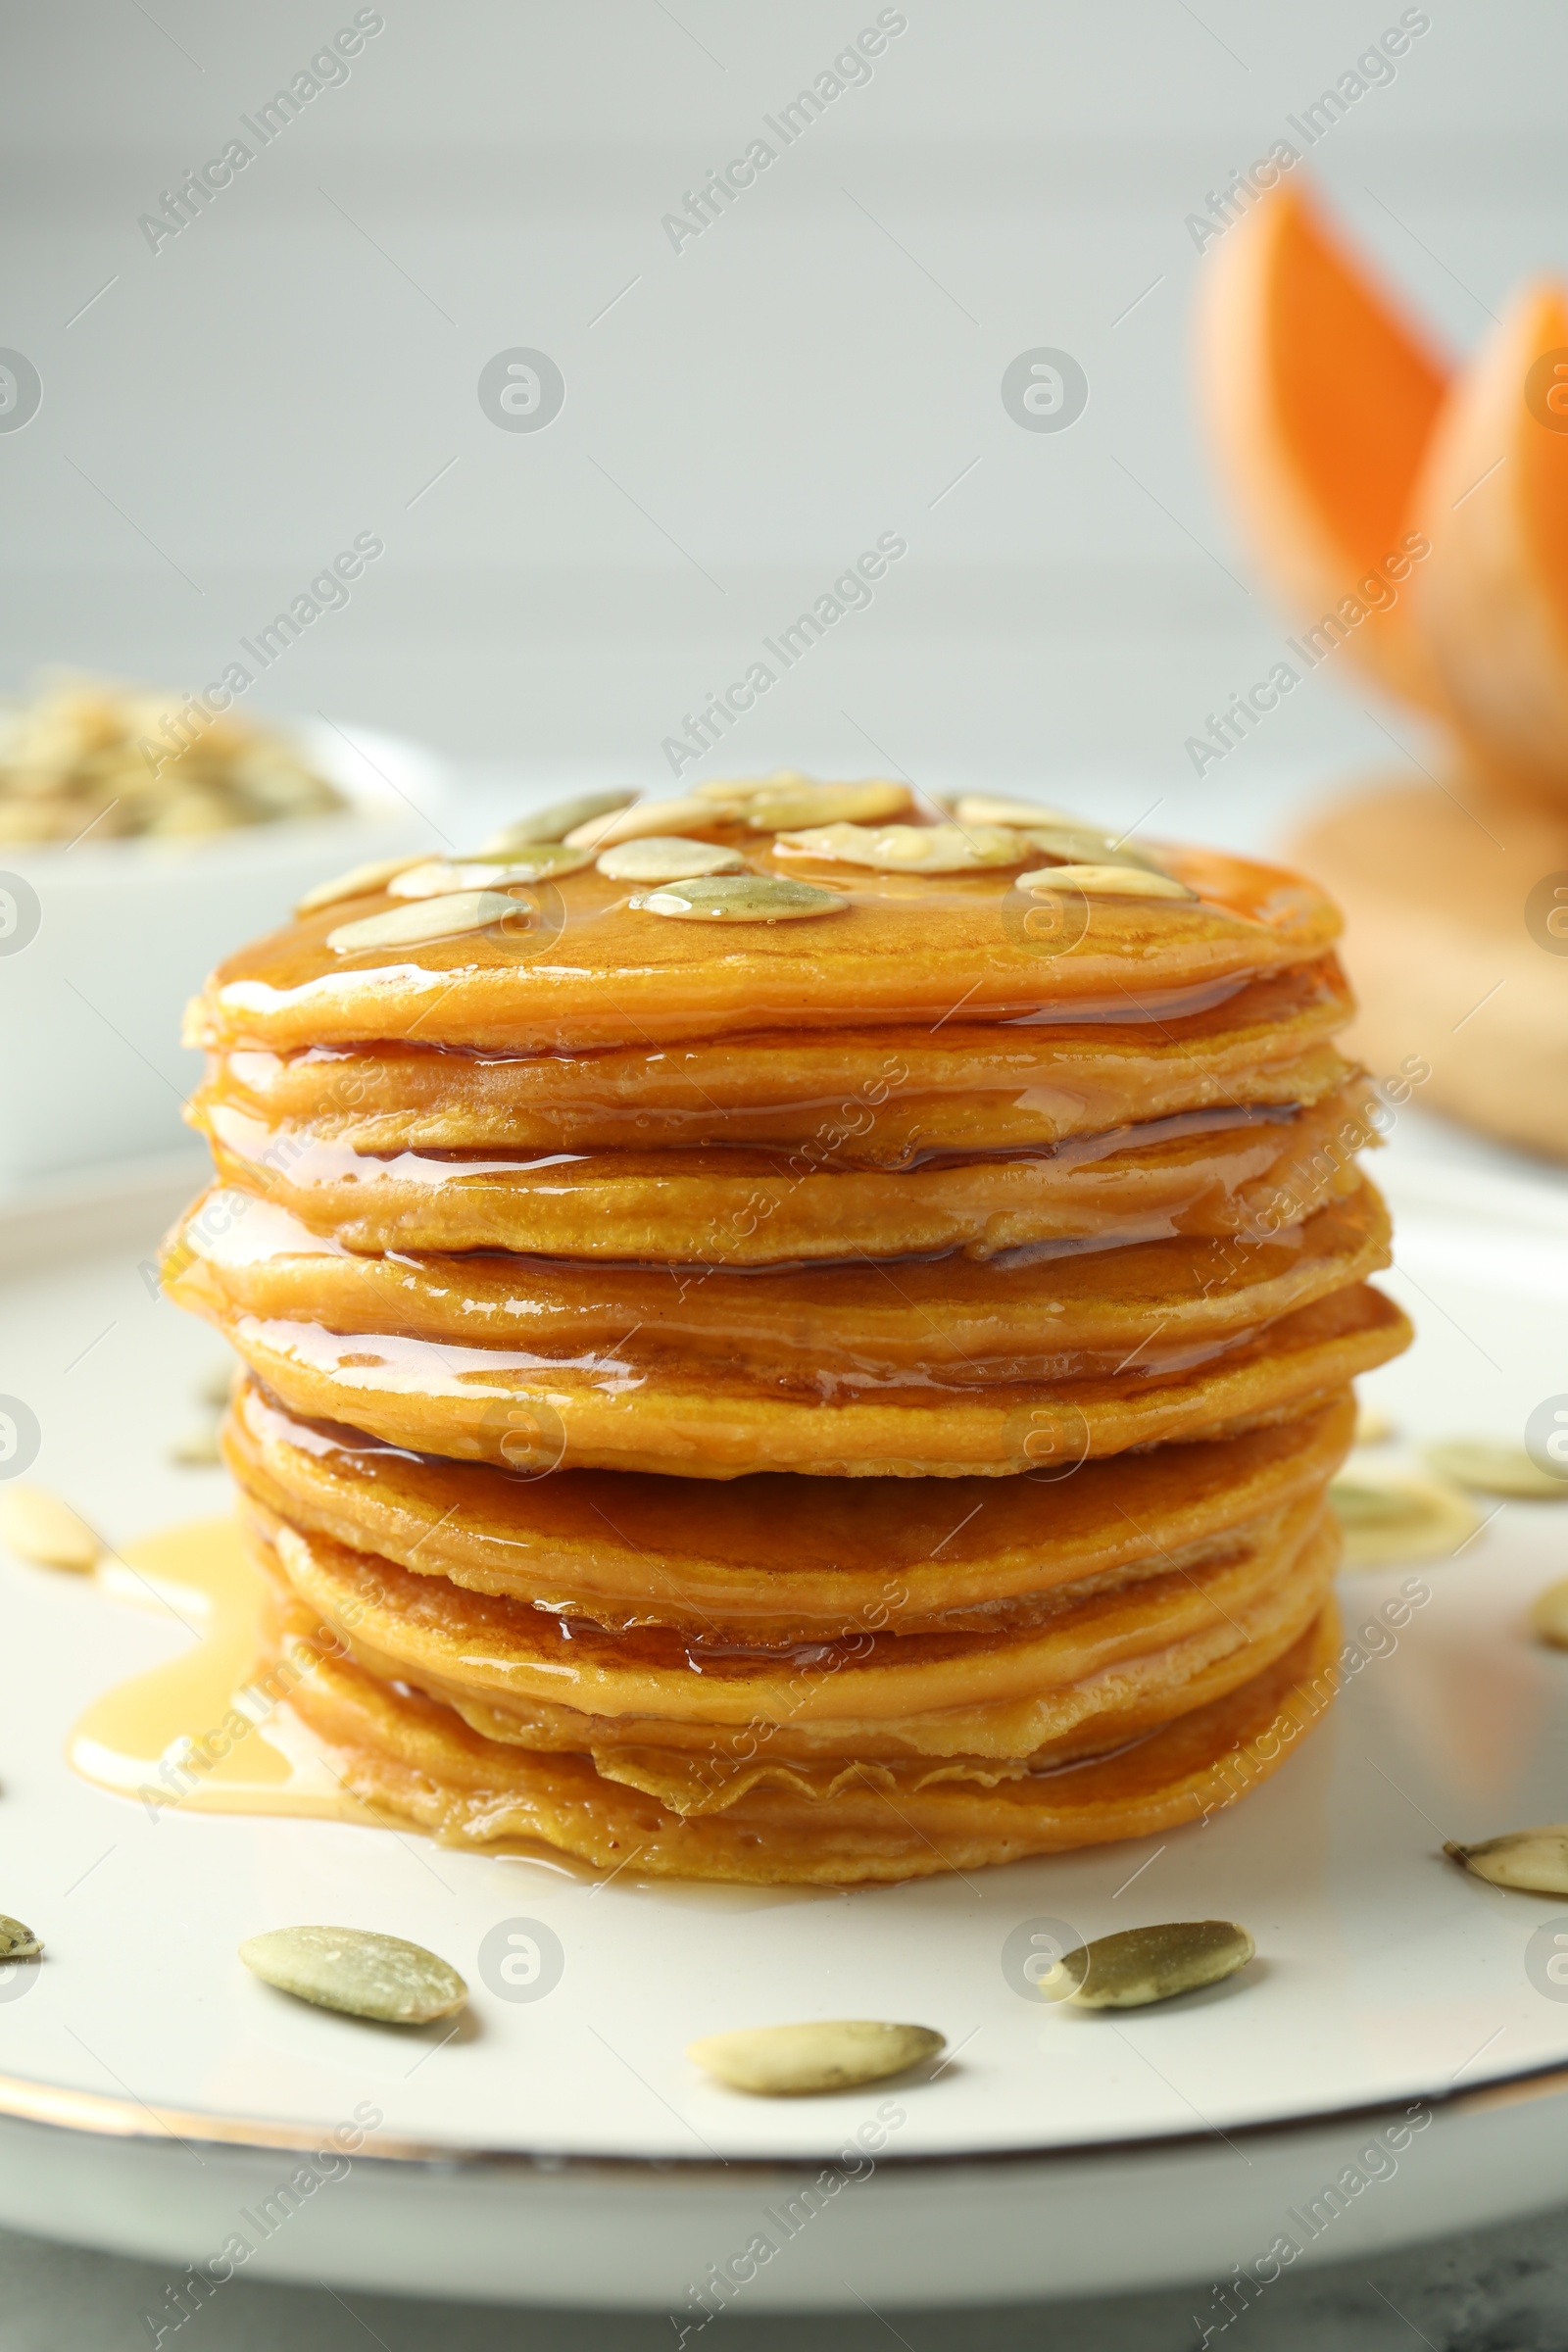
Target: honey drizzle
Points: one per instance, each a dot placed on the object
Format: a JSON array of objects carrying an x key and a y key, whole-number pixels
[{"x": 157, "y": 1738}]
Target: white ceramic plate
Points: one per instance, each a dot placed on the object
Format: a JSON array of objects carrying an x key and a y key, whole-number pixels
[{"x": 561, "y": 2149}]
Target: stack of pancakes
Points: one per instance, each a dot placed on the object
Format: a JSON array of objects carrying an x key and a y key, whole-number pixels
[{"x": 796, "y": 1397}]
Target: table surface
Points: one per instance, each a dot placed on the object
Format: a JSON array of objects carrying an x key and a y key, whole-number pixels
[{"x": 1503, "y": 2289}]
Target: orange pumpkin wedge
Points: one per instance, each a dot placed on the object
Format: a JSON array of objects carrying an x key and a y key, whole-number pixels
[
  {"x": 1321, "y": 401},
  {"x": 1493, "y": 598}
]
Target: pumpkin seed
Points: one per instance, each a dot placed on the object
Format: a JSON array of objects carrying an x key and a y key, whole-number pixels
[
  {"x": 42, "y": 1528},
  {"x": 1106, "y": 881},
  {"x": 652, "y": 817},
  {"x": 426, "y": 919},
  {"x": 1090, "y": 849},
  {"x": 360, "y": 882},
  {"x": 741, "y": 898},
  {"x": 1149, "y": 1964},
  {"x": 361, "y": 1974},
  {"x": 1387, "y": 1517},
  {"x": 18, "y": 1943},
  {"x": 1530, "y": 1861},
  {"x": 775, "y": 807},
  {"x": 1548, "y": 1615},
  {"x": 666, "y": 857},
  {"x": 746, "y": 789},
  {"x": 440, "y": 876},
  {"x": 799, "y": 2061},
  {"x": 1493, "y": 1470},
  {"x": 552, "y": 826},
  {"x": 908, "y": 849},
  {"x": 986, "y": 808}
]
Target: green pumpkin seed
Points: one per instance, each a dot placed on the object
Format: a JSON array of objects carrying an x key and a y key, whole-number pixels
[
  {"x": 425, "y": 920},
  {"x": 666, "y": 857},
  {"x": 908, "y": 849},
  {"x": 1527, "y": 1861},
  {"x": 357, "y": 1973},
  {"x": 360, "y": 882},
  {"x": 1106, "y": 881},
  {"x": 552, "y": 824},
  {"x": 986, "y": 808},
  {"x": 741, "y": 898},
  {"x": 799, "y": 2061},
  {"x": 1149, "y": 1964},
  {"x": 439, "y": 877},
  {"x": 1493, "y": 1470},
  {"x": 653, "y": 817},
  {"x": 1389, "y": 1517},
  {"x": 18, "y": 1943},
  {"x": 1091, "y": 848},
  {"x": 775, "y": 807}
]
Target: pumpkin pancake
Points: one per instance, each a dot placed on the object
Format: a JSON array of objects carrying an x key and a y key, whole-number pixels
[
  {"x": 1207, "y": 1172},
  {"x": 418, "y": 1762},
  {"x": 500, "y": 1405},
  {"x": 773, "y": 1559},
  {"x": 930, "y": 1322},
  {"x": 554, "y": 1682},
  {"x": 859, "y": 1096},
  {"x": 577, "y": 964}
]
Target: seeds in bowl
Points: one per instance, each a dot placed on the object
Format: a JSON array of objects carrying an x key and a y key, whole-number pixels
[
  {"x": 790, "y": 2062},
  {"x": 741, "y": 898},
  {"x": 666, "y": 857},
  {"x": 357, "y": 1973},
  {"x": 84, "y": 755}
]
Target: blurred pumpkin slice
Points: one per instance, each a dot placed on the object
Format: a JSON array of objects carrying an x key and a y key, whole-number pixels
[
  {"x": 1493, "y": 598},
  {"x": 1321, "y": 401}
]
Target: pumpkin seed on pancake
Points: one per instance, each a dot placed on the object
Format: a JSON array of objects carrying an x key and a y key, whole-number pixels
[
  {"x": 666, "y": 857},
  {"x": 425, "y": 920},
  {"x": 360, "y": 882},
  {"x": 775, "y": 807},
  {"x": 438, "y": 876},
  {"x": 991, "y": 809},
  {"x": 741, "y": 898},
  {"x": 920, "y": 949},
  {"x": 907, "y": 848},
  {"x": 1109, "y": 881},
  {"x": 644, "y": 817},
  {"x": 554, "y": 824}
]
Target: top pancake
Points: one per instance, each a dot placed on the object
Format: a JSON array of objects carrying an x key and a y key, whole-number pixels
[{"x": 586, "y": 968}]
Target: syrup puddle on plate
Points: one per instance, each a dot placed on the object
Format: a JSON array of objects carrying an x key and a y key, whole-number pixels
[{"x": 208, "y": 1729}]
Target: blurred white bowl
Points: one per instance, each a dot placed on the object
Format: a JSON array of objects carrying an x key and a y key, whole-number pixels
[{"x": 101, "y": 945}]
